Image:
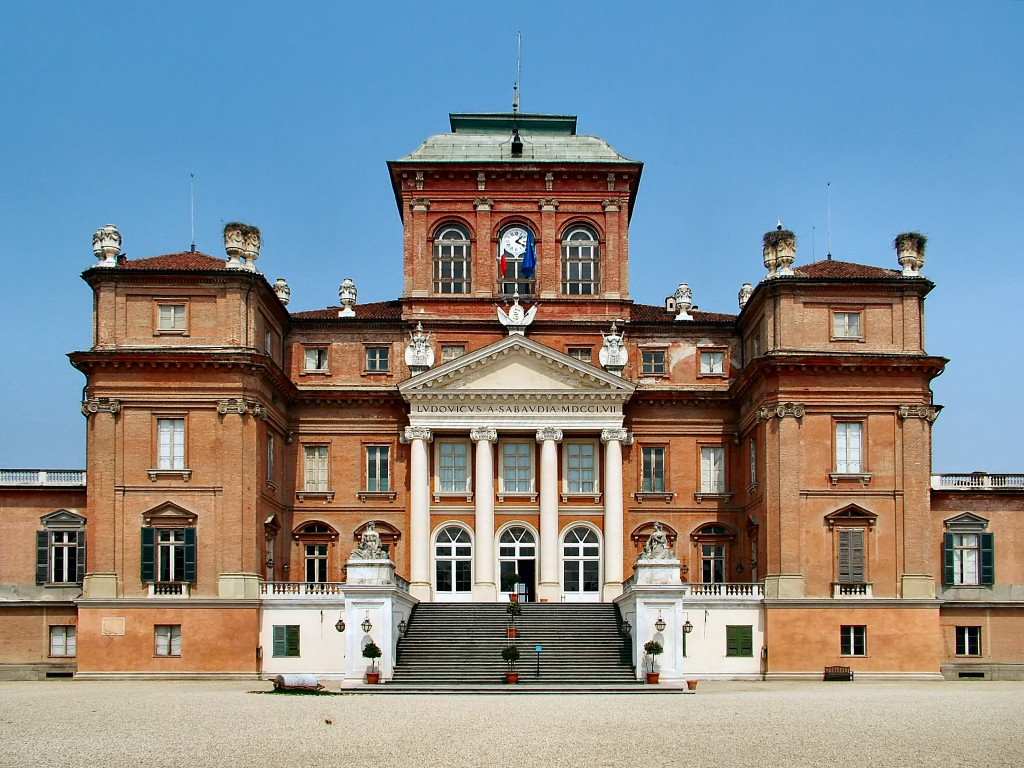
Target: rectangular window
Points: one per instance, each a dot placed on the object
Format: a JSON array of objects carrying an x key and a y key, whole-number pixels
[
  {"x": 853, "y": 640},
  {"x": 316, "y": 563},
  {"x": 581, "y": 467},
  {"x": 712, "y": 363},
  {"x": 270, "y": 458},
  {"x": 846, "y": 325},
  {"x": 452, "y": 352},
  {"x": 315, "y": 358},
  {"x": 63, "y": 641},
  {"x": 968, "y": 641},
  {"x": 583, "y": 354},
  {"x": 712, "y": 563},
  {"x": 968, "y": 559},
  {"x": 170, "y": 444},
  {"x": 712, "y": 469},
  {"x": 654, "y": 470},
  {"x": 377, "y": 475},
  {"x": 753, "y": 461},
  {"x": 377, "y": 359},
  {"x": 315, "y": 457},
  {"x": 848, "y": 447},
  {"x": 652, "y": 362},
  {"x": 453, "y": 466},
  {"x": 739, "y": 640},
  {"x": 517, "y": 467},
  {"x": 851, "y": 555},
  {"x": 167, "y": 639},
  {"x": 170, "y": 317},
  {"x": 268, "y": 342},
  {"x": 64, "y": 557},
  {"x": 286, "y": 640},
  {"x": 168, "y": 555}
]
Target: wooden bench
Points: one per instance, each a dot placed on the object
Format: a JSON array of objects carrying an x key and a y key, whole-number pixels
[{"x": 838, "y": 673}]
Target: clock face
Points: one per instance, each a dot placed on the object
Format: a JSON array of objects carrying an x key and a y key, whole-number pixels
[{"x": 513, "y": 242}]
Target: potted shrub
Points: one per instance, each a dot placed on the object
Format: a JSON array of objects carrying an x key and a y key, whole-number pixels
[
  {"x": 508, "y": 584},
  {"x": 510, "y": 654},
  {"x": 372, "y": 652},
  {"x": 652, "y": 649},
  {"x": 514, "y": 610}
]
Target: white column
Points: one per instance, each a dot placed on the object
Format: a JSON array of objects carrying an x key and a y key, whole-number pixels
[
  {"x": 550, "y": 583},
  {"x": 484, "y": 589},
  {"x": 613, "y": 533},
  {"x": 419, "y": 513}
]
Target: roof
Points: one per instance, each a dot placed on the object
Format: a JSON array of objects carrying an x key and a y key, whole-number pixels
[
  {"x": 487, "y": 148},
  {"x": 379, "y": 310},
  {"x": 845, "y": 270},
  {"x": 186, "y": 261}
]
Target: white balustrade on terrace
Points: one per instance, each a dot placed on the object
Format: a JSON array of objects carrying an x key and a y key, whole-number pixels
[
  {"x": 169, "y": 589},
  {"x": 976, "y": 481},
  {"x": 302, "y": 589},
  {"x": 42, "y": 477},
  {"x": 724, "y": 591}
]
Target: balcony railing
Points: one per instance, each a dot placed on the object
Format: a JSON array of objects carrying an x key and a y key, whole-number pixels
[
  {"x": 725, "y": 590},
  {"x": 317, "y": 589},
  {"x": 169, "y": 589},
  {"x": 976, "y": 481},
  {"x": 850, "y": 590},
  {"x": 30, "y": 477}
]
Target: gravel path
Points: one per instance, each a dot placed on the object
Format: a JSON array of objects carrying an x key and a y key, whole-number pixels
[{"x": 98, "y": 724}]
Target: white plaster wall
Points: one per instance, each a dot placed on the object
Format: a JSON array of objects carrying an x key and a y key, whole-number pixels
[
  {"x": 705, "y": 645},
  {"x": 321, "y": 646}
]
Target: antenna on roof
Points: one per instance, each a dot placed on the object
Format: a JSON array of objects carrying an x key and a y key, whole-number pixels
[
  {"x": 828, "y": 192},
  {"x": 519, "y": 59},
  {"x": 192, "y": 206}
]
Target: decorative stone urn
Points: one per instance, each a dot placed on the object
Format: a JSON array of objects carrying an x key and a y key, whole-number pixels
[
  {"x": 779, "y": 251},
  {"x": 910, "y": 252},
  {"x": 234, "y": 244},
  {"x": 745, "y": 293},
  {"x": 284, "y": 293},
  {"x": 251, "y": 249},
  {"x": 347, "y": 296},
  {"x": 684, "y": 300},
  {"x": 106, "y": 245}
]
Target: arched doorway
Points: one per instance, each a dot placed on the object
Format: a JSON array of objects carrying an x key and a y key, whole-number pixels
[
  {"x": 453, "y": 565},
  {"x": 517, "y": 553},
  {"x": 581, "y": 565}
]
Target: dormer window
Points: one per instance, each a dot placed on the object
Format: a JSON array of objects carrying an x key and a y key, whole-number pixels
[
  {"x": 452, "y": 260},
  {"x": 580, "y": 262}
]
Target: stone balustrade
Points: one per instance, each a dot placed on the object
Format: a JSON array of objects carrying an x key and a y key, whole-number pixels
[
  {"x": 303, "y": 589},
  {"x": 976, "y": 481},
  {"x": 42, "y": 477}
]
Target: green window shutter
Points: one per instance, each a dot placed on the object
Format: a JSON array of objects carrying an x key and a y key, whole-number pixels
[
  {"x": 844, "y": 555},
  {"x": 732, "y": 641},
  {"x": 292, "y": 642},
  {"x": 80, "y": 572},
  {"x": 279, "y": 641},
  {"x": 148, "y": 554},
  {"x": 947, "y": 558},
  {"x": 42, "y": 557},
  {"x": 857, "y": 556},
  {"x": 746, "y": 641},
  {"x": 988, "y": 559},
  {"x": 190, "y": 554}
]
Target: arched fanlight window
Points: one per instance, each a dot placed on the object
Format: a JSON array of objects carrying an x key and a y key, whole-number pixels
[
  {"x": 514, "y": 245},
  {"x": 580, "y": 262},
  {"x": 581, "y": 560},
  {"x": 453, "y": 560},
  {"x": 452, "y": 260}
]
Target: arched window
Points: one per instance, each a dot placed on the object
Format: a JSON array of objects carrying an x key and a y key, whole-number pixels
[
  {"x": 517, "y": 553},
  {"x": 453, "y": 561},
  {"x": 580, "y": 262},
  {"x": 516, "y": 248},
  {"x": 452, "y": 260},
  {"x": 581, "y": 561}
]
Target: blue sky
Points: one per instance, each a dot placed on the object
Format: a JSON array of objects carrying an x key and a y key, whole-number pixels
[{"x": 741, "y": 112}]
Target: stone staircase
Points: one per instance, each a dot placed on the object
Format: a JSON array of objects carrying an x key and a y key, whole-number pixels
[{"x": 449, "y": 644}]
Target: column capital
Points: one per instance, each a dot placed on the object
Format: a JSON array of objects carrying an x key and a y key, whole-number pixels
[
  {"x": 781, "y": 410},
  {"x": 548, "y": 205},
  {"x": 100, "y": 404},
  {"x": 483, "y": 204},
  {"x": 487, "y": 434},
  {"x": 621, "y": 434},
  {"x": 916, "y": 411},
  {"x": 419, "y": 204},
  {"x": 416, "y": 433},
  {"x": 549, "y": 433}
]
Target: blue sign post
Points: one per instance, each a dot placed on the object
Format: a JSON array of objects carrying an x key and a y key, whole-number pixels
[{"x": 538, "y": 649}]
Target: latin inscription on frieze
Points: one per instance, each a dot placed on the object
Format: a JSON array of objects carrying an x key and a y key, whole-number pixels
[{"x": 513, "y": 409}]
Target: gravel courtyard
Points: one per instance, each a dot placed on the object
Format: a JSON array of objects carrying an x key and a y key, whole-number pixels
[{"x": 79, "y": 723}]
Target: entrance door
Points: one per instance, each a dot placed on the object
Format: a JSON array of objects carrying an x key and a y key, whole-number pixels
[
  {"x": 581, "y": 565},
  {"x": 453, "y": 565},
  {"x": 517, "y": 553}
]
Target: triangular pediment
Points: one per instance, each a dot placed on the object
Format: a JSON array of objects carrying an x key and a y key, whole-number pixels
[
  {"x": 168, "y": 514},
  {"x": 62, "y": 518},
  {"x": 966, "y": 521},
  {"x": 516, "y": 365}
]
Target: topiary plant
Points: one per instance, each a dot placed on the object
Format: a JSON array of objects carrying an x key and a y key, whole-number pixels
[{"x": 372, "y": 652}]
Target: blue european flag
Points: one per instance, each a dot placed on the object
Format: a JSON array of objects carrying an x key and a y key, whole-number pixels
[{"x": 529, "y": 258}]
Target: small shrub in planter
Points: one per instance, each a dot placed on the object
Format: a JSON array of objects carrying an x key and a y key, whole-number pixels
[
  {"x": 372, "y": 652},
  {"x": 510, "y": 654},
  {"x": 508, "y": 584},
  {"x": 652, "y": 649}
]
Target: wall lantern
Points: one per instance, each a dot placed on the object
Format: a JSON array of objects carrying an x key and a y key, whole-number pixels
[
  {"x": 660, "y": 623},
  {"x": 626, "y": 628},
  {"x": 687, "y": 627},
  {"x": 340, "y": 625},
  {"x": 402, "y": 626},
  {"x": 366, "y": 625}
]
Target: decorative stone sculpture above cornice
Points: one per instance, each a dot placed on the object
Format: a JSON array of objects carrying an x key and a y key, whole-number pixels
[
  {"x": 611, "y": 181},
  {"x": 347, "y": 296},
  {"x": 657, "y": 546},
  {"x": 418, "y": 355},
  {"x": 613, "y": 355},
  {"x": 100, "y": 405},
  {"x": 910, "y": 252},
  {"x": 549, "y": 433},
  {"x": 781, "y": 410},
  {"x": 779, "y": 251},
  {"x": 745, "y": 293},
  {"x": 106, "y": 245},
  {"x": 481, "y": 180},
  {"x": 419, "y": 180},
  {"x": 684, "y": 300},
  {"x": 369, "y": 545},
  {"x": 917, "y": 411},
  {"x": 487, "y": 434},
  {"x": 549, "y": 181},
  {"x": 517, "y": 318},
  {"x": 284, "y": 293},
  {"x": 242, "y": 245}
]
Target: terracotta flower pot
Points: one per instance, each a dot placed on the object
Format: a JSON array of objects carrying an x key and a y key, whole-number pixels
[
  {"x": 372, "y": 678},
  {"x": 691, "y": 685},
  {"x": 512, "y": 631},
  {"x": 652, "y": 677},
  {"x": 512, "y": 677},
  {"x": 513, "y": 597}
]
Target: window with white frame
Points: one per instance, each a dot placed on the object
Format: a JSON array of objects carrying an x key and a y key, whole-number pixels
[
  {"x": 712, "y": 469},
  {"x": 270, "y": 458},
  {"x": 378, "y": 475},
  {"x": 63, "y": 640},
  {"x": 452, "y": 466},
  {"x": 582, "y": 354},
  {"x": 316, "y": 563},
  {"x": 167, "y": 639},
  {"x": 377, "y": 359},
  {"x": 170, "y": 451},
  {"x": 452, "y": 260},
  {"x": 453, "y": 560},
  {"x": 315, "y": 467},
  {"x": 652, "y": 362},
  {"x": 168, "y": 555},
  {"x": 846, "y": 325},
  {"x": 968, "y": 641},
  {"x": 966, "y": 551},
  {"x": 315, "y": 358},
  {"x": 712, "y": 362},
  {"x": 452, "y": 352},
  {"x": 64, "y": 551},
  {"x": 517, "y": 467},
  {"x": 853, "y": 640},
  {"x": 171, "y": 317},
  {"x": 580, "y": 262},
  {"x": 581, "y": 560},
  {"x": 849, "y": 456},
  {"x": 268, "y": 342},
  {"x": 580, "y": 466},
  {"x": 653, "y": 470},
  {"x": 753, "y": 461},
  {"x": 712, "y": 563}
]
